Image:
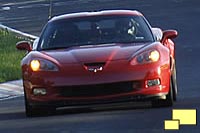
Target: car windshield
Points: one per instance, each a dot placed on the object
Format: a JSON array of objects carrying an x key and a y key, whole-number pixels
[{"x": 95, "y": 30}]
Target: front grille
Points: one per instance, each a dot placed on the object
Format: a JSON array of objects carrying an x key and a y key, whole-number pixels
[{"x": 97, "y": 90}]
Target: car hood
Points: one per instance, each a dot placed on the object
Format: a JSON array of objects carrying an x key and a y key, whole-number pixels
[{"x": 98, "y": 53}]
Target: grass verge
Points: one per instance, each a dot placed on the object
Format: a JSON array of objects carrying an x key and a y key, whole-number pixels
[{"x": 10, "y": 57}]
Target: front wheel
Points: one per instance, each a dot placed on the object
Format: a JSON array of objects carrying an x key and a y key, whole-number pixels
[
  {"x": 37, "y": 111},
  {"x": 174, "y": 83},
  {"x": 168, "y": 102}
]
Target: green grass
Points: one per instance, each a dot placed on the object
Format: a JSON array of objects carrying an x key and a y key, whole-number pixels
[{"x": 10, "y": 57}]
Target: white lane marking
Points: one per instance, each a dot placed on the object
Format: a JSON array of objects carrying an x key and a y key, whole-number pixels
[
  {"x": 7, "y": 8},
  {"x": 33, "y": 6},
  {"x": 25, "y": 2}
]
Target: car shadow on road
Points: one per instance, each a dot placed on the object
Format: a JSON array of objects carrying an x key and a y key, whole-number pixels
[
  {"x": 20, "y": 113},
  {"x": 102, "y": 108},
  {"x": 12, "y": 115}
]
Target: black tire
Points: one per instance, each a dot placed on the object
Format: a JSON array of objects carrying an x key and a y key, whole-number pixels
[
  {"x": 168, "y": 102},
  {"x": 37, "y": 111},
  {"x": 174, "y": 83},
  {"x": 30, "y": 112},
  {"x": 169, "y": 98}
]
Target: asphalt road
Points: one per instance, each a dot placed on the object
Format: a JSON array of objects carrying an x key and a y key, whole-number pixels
[{"x": 183, "y": 15}]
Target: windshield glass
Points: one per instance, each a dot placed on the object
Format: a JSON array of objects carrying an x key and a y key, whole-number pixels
[{"x": 95, "y": 30}]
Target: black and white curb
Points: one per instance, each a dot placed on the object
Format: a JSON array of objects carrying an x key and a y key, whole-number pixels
[
  {"x": 18, "y": 33},
  {"x": 11, "y": 89}
]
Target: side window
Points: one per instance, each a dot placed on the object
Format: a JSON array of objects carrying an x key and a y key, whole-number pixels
[
  {"x": 158, "y": 34},
  {"x": 35, "y": 43},
  {"x": 46, "y": 37}
]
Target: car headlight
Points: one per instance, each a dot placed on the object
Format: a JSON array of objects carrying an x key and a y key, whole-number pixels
[
  {"x": 43, "y": 65},
  {"x": 146, "y": 57},
  {"x": 154, "y": 56}
]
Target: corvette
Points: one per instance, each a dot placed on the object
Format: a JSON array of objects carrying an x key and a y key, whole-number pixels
[{"x": 91, "y": 58}]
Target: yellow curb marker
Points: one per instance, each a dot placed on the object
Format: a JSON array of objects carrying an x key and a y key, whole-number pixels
[
  {"x": 171, "y": 124},
  {"x": 181, "y": 117}
]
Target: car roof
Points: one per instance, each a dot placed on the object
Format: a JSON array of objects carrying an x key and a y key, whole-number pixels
[{"x": 97, "y": 13}]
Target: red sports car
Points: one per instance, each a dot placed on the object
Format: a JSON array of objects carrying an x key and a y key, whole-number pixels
[{"x": 92, "y": 58}]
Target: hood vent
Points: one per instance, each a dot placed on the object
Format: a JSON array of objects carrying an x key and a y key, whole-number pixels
[{"x": 94, "y": 64}]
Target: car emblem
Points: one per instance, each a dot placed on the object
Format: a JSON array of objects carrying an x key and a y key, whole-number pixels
[{"x": 95, "y": 69}]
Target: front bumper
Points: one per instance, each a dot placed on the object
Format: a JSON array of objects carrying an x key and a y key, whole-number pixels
[
  {"x": 112, "y": 85},
  {"x": 97, "y": 94},
  {"x": 97, "y": 103}
]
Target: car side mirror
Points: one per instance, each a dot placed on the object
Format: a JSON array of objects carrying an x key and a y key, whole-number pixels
[
  {"x": 24, "y": 45},
  {"x": 169, "y": 34},
  {"x": 158, "y": 34}
]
